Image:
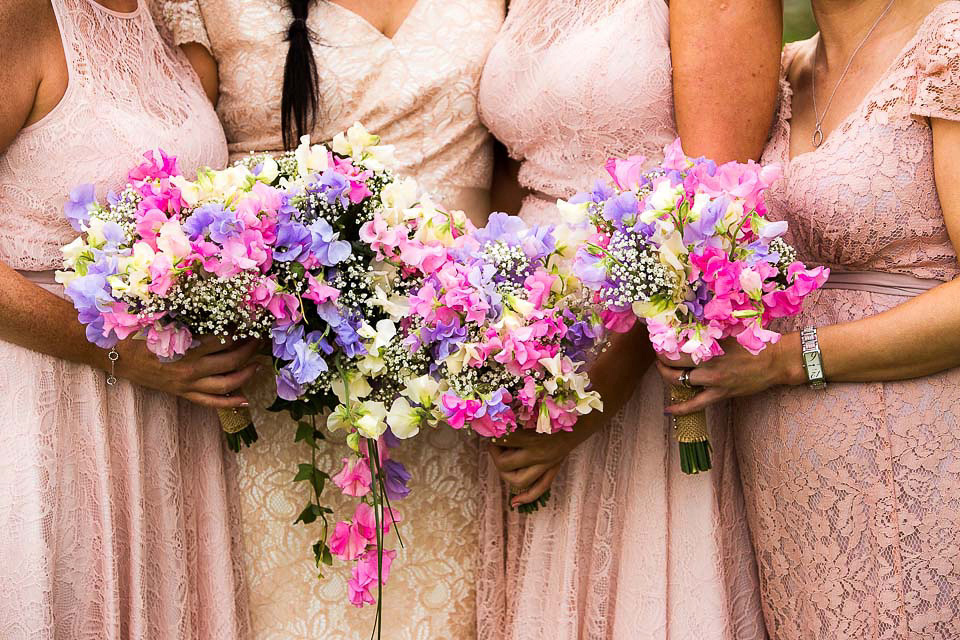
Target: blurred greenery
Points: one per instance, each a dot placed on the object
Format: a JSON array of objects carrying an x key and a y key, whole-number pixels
[{"x": 798, "y": 21}]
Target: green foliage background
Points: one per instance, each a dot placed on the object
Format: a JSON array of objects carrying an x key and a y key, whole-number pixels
[{"x": 798, "y": 21}]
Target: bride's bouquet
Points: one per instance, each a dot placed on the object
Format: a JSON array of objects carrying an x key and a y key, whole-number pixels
[
  {"x": 169, "y": 259},
  {"x": 687, "y": 248}
]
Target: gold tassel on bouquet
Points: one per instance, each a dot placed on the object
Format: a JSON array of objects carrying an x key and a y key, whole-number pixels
[{"x": 691, "y": 433}]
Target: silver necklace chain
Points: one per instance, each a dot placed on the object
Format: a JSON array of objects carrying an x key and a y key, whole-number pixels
[{"x": 818, "y": 131}]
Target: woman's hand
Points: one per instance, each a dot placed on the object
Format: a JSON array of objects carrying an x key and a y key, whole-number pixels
[
  {"x": 530, "y": 461},
  {"x": 736, "y": 373},
  {"x": 209, "y": 375}
]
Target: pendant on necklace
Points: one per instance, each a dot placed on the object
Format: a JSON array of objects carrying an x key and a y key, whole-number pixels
[{"x": 817, "y": 137}]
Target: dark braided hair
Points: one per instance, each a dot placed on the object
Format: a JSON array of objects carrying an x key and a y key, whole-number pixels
[{"x": 298, "y": 106}]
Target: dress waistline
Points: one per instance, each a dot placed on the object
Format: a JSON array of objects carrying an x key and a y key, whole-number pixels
[
  {"x": 40, "y": 277},
  {"x": 891, "y": 284}
]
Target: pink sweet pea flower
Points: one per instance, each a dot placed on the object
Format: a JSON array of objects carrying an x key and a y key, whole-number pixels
[
  {"x": 168, "y": 341},
  {"x": 149, "y": 225},
  {"x": 457, "y": 410},
  {"x": 158, "y": 166},
  {"x": 365, "y": 576},
  {"x": 318, "y": 291},
  {"x": 626, "y": 173},
  {"x": 161, "y": 275},
  {"x": 346, "y": 541},
  {"x": 121, "y": 322},
  {"x": 354, "y": 479},
  {"x": 618, "y": 321},
  {"x": 754, "y": 338},
  {"x": 539, "y": 285}
]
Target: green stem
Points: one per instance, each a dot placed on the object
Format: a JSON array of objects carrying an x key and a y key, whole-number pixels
[{"x": 377, "y": 506}]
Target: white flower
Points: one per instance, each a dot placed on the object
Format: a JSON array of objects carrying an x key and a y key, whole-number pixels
[
  {"x": 359, "y": 387},
  {"x": 269, "y": 170},
  {"x": 396, "y": 197},
  {"x": 371, "y": 422},
  {"x": 361, "y": 145},
  {"x": 573, "y": 213},
  {"x": 404, "y": 420},
  {"x": 423, "y": 390},
  {"x": 73, "y": 251},
  {"x": 310, "y": 159}
]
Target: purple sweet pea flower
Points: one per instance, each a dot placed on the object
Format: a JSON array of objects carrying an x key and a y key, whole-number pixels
[
  {"x": 307, "y": 363},
  {"x": 78, "y": 207},
  {"x": 445, "y": 337},
  {"x": 287, "y": 387},
  {"x": 346, "y": 334},
  {"x": 601, "y": 193},
  {"x": 327, "y": 246},
  {"x": 501, "y": 227},
  {"x": 395, "y": 477},
  {"x": 198, "y": 224},
  {"x": 293, "y": 239},
  {"x": 284, "y": 338},
  {"x": 589, "y": 269},
  {"x": 699, "y": 230},
  {"x": 622, "y": 209},
  {"x": 539, "y": 241},
  {"x": 94, "y": 332},
  {"x": 335, "y": 186},
  {"x": 225, "y": 225}
]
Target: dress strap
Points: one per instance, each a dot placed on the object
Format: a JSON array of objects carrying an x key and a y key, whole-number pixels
[{"x": 891, "y": 284}]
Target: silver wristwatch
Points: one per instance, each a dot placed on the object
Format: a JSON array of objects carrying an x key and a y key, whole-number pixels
[{"x": 812, "y": 362}]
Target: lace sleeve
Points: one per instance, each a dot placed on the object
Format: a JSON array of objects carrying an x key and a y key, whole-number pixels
[
  {"x": 938, "y": 66},
  {"x": 181, "y": 20}
]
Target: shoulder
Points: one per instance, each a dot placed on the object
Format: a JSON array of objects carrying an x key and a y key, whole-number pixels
[{"x": 28, "y": 29}]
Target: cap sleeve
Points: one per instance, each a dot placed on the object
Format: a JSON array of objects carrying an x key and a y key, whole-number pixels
[
  {"x": 938, "y": 65},
  {"x": 181, "y": 20}
]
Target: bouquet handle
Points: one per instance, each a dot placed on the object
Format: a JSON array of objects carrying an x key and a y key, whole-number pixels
[
  {"x": 237, "y": 424},
  {"x": 691, "y": 433}
]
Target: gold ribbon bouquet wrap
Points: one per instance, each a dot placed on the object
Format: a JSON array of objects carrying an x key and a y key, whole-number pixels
[
  {"x": 691, "y": 433},
  {"x": 238, "y": 425}
]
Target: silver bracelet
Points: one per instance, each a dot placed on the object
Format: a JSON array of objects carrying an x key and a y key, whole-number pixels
[
  {"x": 812, "y": 359},
  {"x": 113, "y": 356}
]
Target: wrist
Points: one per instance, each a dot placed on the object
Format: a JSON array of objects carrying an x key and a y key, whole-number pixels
[{"x": 790, "y": 370}]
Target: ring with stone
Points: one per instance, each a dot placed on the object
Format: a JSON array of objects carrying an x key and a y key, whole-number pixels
[{"x": 684, "y": 380}]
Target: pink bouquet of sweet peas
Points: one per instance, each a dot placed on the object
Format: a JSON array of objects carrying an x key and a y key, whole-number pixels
[{"x": 687, "y": 247}]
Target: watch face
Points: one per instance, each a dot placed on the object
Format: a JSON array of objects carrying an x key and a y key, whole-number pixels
[{"x": 812, "y": 365}]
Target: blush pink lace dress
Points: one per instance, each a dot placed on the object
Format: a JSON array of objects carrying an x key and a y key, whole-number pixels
[
  {"x": 628, "y": 546},
  {"x": 418, "y": 91},
  {"x": 853, "y": 493},
  {"x": 115, "y": 504}
]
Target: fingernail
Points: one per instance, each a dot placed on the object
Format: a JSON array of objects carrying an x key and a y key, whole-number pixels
[
  {"x": 244, "y": 404},
  {"x": 667, "y": 412}
]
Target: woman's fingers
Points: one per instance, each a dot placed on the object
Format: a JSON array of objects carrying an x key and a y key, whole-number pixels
[
  {"x": 520, "y": 438},
  {"x": 237, "y": 401},
  {"x": 223, "y": 384},
  {"x": 523, "y": 479},
  {"x": 212, "y": 344},
  {"x": 702, "y": 400},
  {"x": 225, "y": 361},
  {"x": 683, "y": 362},
  {"x": 537, "y": 489},
  {"x": 508, "y": 459}
]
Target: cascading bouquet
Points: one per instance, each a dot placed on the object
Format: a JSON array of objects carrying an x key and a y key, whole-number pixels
[
  {"x": 687, "y": 248},
  {"x": 507, "y": 329},
  {"x": 170, "y": 259},
  {"x": 339, "y": 351}
]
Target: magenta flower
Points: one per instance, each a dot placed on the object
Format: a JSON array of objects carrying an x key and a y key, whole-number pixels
[{"x": 354, "y": 478}]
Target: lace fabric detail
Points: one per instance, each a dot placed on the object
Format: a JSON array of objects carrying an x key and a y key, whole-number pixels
[
  {"x": 853, "y": 493},
  {"x": 418, "y": 91},
  {"x": 876, "y": 167},
  {"x": 628, "y": 546},
  {"x": 562, "y": 84},
  {"x": 123, "y": 75},
  {"x": 118, "y": 505}
]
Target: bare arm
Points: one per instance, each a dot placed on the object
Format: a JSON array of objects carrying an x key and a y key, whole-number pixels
[
  {"x": 31, "y": 316},
  {"x": 206, "y": 67},
  {"x": 506, "y": 193},
  {"x": 917, "y": 338},
  {"x": 726, "y": 65}
]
